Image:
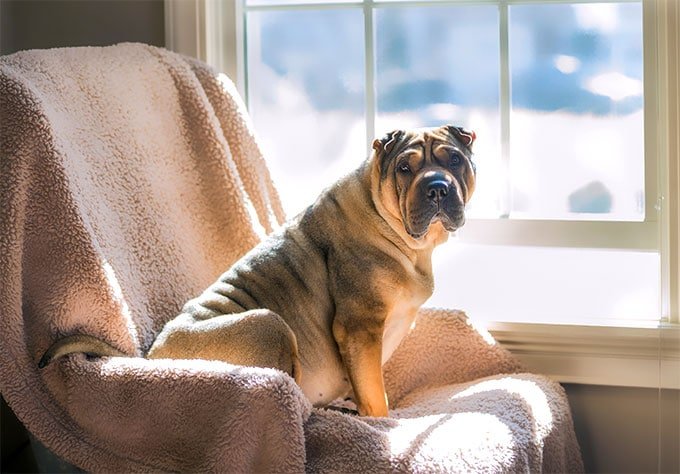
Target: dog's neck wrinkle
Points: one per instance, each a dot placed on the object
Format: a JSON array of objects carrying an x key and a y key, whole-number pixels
[
  {"x": 392, "y": 228},
  {"x": 386, "y": 226},
  {"x": 355, "y": 192},
  {"x": 363, "y": 200}
]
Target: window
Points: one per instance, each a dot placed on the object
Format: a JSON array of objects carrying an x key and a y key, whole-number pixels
[
  {"x": 569, "y": 257},
  {"x": 563, "y": 225}
]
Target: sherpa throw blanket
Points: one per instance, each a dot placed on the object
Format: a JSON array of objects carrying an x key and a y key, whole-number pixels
[{"x": 129, "y": 180}]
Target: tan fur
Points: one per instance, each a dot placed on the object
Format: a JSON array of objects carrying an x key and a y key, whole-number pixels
[{"x": 318, "y": 298}]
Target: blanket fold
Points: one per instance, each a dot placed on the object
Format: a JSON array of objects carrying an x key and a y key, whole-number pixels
[{"x": 130, "y": 179}]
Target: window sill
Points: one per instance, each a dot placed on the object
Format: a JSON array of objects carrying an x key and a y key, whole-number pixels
[{"x": 596, "y": 355}]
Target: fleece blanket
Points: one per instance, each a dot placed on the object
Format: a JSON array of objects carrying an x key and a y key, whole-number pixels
[{"x": 130, "y": 179}]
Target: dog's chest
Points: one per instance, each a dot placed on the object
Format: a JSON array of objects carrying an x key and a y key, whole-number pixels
[
  {"x": 399, "y": 320},
  {"x": 407, "y": 301}
]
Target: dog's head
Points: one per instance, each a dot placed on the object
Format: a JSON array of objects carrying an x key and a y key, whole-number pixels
[{"x": 425, "y": 178}]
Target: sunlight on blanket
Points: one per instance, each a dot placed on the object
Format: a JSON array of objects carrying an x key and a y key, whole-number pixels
[
  {"x": 230, "y": 89},
  {"x": 529, "y": 392},
  {"x": 119, "y": 298},
  {"x": 465, "y": 432},
  {"x": 476, "y": 326},
  {"x": 247, "y": 377},
  {"x": 483, "y": 333}
]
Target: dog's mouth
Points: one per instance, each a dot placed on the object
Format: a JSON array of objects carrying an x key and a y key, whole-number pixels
[
  {"x": 420, "y": 223},
  {"x": 450, "y": 223}
]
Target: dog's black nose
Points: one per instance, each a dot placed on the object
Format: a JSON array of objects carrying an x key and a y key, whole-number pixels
[{"x": 437, "y": 190}]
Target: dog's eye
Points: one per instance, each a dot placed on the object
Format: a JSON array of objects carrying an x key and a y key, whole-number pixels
[
  {"x": 456, "y": 159},
  {"x": 404, "y": 168}
]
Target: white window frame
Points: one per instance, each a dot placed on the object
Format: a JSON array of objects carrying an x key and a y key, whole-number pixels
[{"x": 213, "y": 30}]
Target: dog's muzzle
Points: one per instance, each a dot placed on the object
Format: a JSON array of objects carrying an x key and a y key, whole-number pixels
[{"x": 437, "y": 199}]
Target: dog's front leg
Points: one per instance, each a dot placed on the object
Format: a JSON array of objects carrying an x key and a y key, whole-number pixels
[{"x": 361, "y": 351}]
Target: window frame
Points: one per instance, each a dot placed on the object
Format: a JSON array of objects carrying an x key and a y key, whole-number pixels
[{"x": 214, "y": 31}]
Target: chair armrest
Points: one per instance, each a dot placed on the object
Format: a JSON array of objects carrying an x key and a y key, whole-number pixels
[
  {"x": 181, "y": 415},
  {"x": 444, "y": 347}
]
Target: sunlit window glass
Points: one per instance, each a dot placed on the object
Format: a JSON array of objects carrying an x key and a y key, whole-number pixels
[
  {"x": 306, "y": 96},
  {"x": 577, "y": 138}
]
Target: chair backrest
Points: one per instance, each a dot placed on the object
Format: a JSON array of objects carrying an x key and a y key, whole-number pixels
[{"x": 130, "y": 180}]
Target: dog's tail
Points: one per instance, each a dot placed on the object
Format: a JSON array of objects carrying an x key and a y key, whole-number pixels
[{"x": 88, "y": 345}]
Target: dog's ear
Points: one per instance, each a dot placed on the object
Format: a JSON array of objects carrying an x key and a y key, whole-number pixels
[
  {"x": 386, "y": 144},
  {"x": 466, "y": 137}
]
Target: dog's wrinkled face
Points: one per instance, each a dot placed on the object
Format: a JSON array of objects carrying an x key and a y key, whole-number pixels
[{"x": 426, "y": 176}]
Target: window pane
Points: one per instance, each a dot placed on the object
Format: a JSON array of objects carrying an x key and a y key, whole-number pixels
[
  {"x": 306, "y": 96},
  {"x": 438, "y": 65},
  {"x": 547, "y": 284},
  {"x": 577, "y": 143}
]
